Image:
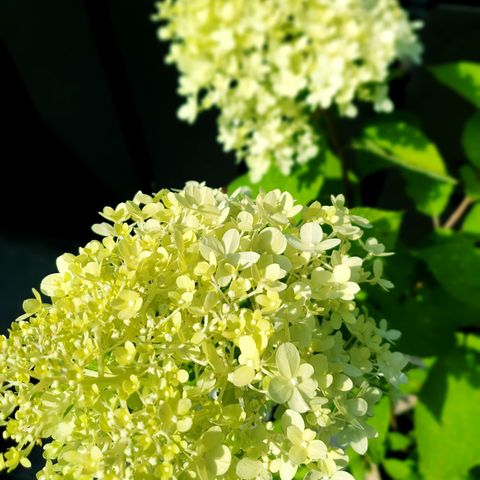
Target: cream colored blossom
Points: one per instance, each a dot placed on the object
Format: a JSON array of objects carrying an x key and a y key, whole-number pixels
[
  {"x": 267, "y": 66},
  {"x": 164, "y": 349}
]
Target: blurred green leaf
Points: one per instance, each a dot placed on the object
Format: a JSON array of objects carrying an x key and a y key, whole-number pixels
[
  {"x": 304, "y": 182},
  {"x": 471, "y": 181},
  {"x": 398, "y": 469},
  {"x": 471, "y": 224},
  {"x": 455, "y": 262},
  {"x": 398, "y": 442},
  {"x": 463, "y": 77},
  {"x": 386, "y": 224},
  {"x": 416, "y": 378},
  {"x": 447, "y": 422},
  {"x": 357, "y": 464},
  {"x": 429, "y": 195},
  {"x": 380, "y": 422},
  {"x": 471, "y": 139},
  {"x": 404, "y": 144}
]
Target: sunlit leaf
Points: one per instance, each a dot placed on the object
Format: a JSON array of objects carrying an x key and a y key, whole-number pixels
[
  {"x": 404, "y": 144},
  {"x": 471, "y": 224},
  {"x": 463, "y": 77},
  {"x": 446, "y": 418},
  {"x": 304, "y": 181},
  {"x": 398, "y": 469}
]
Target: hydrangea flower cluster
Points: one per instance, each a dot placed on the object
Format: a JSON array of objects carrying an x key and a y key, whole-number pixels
[
  {"x": 267, "y": 66},
  {"x": 205, "y": 337}
]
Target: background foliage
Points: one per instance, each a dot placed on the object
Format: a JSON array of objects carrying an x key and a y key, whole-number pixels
[{"x": 92, "y": 120}]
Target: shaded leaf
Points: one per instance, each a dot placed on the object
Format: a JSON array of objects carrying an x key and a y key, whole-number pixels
[
  {"x": 386, "y": 224},
  {"x": 426, "y": 328},
  {"x": 455, "y": 263},
  {"x": 471, "y": 181},
  {"x": 463, "y": 77},
  {"x": 429, "y": 195},
  {"x": 402, "y": 143},
  {"x": 446, "y": 418},
  {"x": 471, "y": 139}
]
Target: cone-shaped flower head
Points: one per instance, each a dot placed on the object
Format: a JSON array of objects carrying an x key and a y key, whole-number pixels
[{"x": 204, "y": 336}]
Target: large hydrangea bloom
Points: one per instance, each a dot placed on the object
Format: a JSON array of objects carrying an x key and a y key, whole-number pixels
[
  {"x": 267, "y": 65},
  {"x": 205, "y": 336}
]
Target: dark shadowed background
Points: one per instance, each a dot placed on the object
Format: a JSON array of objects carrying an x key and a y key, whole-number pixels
[{"x": 88, "y": 111}]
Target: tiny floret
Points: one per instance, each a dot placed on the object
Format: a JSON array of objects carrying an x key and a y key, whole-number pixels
[{"x": 204, "y": 336}]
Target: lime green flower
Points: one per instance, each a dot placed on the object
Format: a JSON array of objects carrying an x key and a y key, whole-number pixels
[
  {"x": 167, "y": 349},
  {"x": 268, "y": 66},
  {"x": 294, "y": 383}
]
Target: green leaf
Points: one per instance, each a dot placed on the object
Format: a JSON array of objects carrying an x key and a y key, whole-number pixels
[
  {"x": 385, "y": 223},
  {"x": 357, "y": 464},
  {"x": 380, "y": 422},
  {"x": 446, "y": 417},
  {"x": 471, "y": 139},
  {"x": 425, "y": 313},
  {"x": 402, "y": 143},
  {"x": 304, "y": 181},
  {"x": 427, "y": 327},
  {"x": 471, "y": 181},
  {"x": 398, "y": 469},
  {"x": 455, "y": 263},
  {"x": 463, "y": 77},
  {"x": 429, "y": 195},
  {"x": 398, "y": 442},
  {"x": 471, "y": 224}
]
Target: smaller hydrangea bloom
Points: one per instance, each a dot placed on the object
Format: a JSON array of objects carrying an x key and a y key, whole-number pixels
[
  {"x": 268, "y": 66},
  {"x": 204, "y": 336}
]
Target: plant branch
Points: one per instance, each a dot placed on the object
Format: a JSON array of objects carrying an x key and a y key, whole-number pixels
[{"x": 457, "y": 214}]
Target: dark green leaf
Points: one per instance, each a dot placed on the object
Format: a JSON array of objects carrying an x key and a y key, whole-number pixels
[
  {"x": 447, "y": 422},
  {"x": 463, "y": 77},
  {"x": 471, "y": 224},
  {"x": 471, "y": 139},
  {"x": 455, "y": 263},
  {"x": 386, "y": 224},
  {"x": 404, "y": 144},
  {"x": 426, "y": 328},
  {"x": 429, "y": 195},
  {"x": 471, "y": 181}
]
